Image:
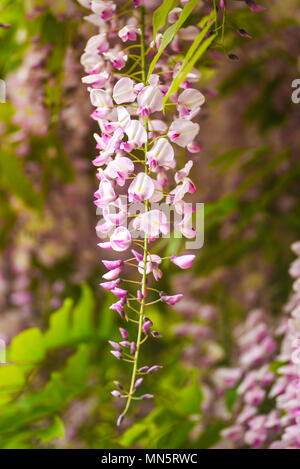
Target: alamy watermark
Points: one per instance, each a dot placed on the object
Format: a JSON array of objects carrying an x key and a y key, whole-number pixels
[
  {"x": 187, "y": 222},
  {"x": 296, "y": 93},
  {"x": 2, "y": 91}
]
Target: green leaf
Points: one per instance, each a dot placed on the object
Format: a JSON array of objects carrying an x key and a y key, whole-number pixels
[
  {"x": 171, "y": 31},
  {"x": 77, "y": 368},
  {"x": 229, "y": 157},
  {"x": 16, "y": 182},
  {"x": 49, "y": 149},
  {"x": 55, "y": 430},
  {"x": 190, "y": 55},
  {"x": 173, "y": 246},
  {"x": 27, "y": 347},
  {"x": 59, "y": 332},
  {"x": 107, "y": 318},
  {"x": 216, "y": 211},
  {"x": 11, "y": 377},
  {"x": 264, "y": 170},
  {"x": 210, "y": 436},
  {"x": 54, "y": 32},
  {"x": 276, "y": 365},
  {"x": 175, "y": 435},
  {"x": 231, "y": 396},
  {"x": 133, "y": 434},
  {"x": 83, "y": 314},
  {"x": 191, "y": 397},
  {"x": 160, "y": 15}
]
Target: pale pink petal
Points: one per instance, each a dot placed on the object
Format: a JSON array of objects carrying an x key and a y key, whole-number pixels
[{"x": 123, "y": 91}]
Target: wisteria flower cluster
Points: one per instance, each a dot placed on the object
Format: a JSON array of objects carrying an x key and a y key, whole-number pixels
[
  {"x": 136, "y": 162},
  {"x": 268, "y": 385}
]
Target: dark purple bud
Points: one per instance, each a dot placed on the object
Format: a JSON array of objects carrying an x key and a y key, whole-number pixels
[
  {"x": 146, "y": 327},
  {"x": 116, "y": 393},
  {"x": 120, "y": 420},
  {"x": 115, "y": 345},
  {"x": 154, "y": 368},
  {"x": 139, "y": 295},
  {"x": 119, "y": 385},
  {"x": 254, "y": 7},
  {"x": 244, "y": 34},
  {"x": 233, "y": 57},
  {"x": 116, "y": 354},
  {"x": 143, "y": 369},
  {"x": 147, "y": 319},
  {"x": 147, "y": 396},
  {"x": 124, "y": 333},
  {"x": 138, "y": 383},
  {"x": 132, "y": 348},
  {"x": 6, "y": 26},
  {"x": 137, "y": 3},
  {"x": 156, "y": 334}
]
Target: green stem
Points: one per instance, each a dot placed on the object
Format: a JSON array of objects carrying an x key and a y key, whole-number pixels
[
  {"x": 223, "y": 25},
  {"x": 216, "y": 13},
  {"x": 144, "y": 277}
]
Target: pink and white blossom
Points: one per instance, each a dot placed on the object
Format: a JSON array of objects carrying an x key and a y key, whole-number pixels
[
  {"x": 136, "y": 134},
  {"x": 120, "y": 240},
  {"x": 184, "y": 262},
  {"x": 101, "y": 99},
  {"x": 161, "y": 155},
  {"x": 183, "y": 132},
  {"x": 150, "y": 99},
  {"x": 128, "y": 33},
  {"x": 105, "y": 194},
  {"x": 152, "y": 223},
  {"x": 124, "y": 91},
  {"x": 141, "y": 188},
  {"x": 120, "y": 168},
  {"x": 136, "y": 157}
]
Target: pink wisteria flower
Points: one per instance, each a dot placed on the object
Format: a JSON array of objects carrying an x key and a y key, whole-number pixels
[
  {"x": 189, "y": 103},
  {"x": 124, "y": 91},
  {"x": 141, "y": 188},
  {"x": 184, "y": 262},
  {"x": 171, "y": 299},
  {"x": 152, "y": 263},
  {"x": 161, "y": 155},
  {"x": 152, "y": 223},
  {"x": 102, "y": 100},
  {"x": 136, "y": 134},
  {"x": 183, "y": 132},
  {"x": 120, "y": 168},
  {"x": 136, "y": 163},
  {"x": 120, "y": 240},
  {"x": 150, "y": 100},
  {"x": 105, "y": 194},
  {"x": 128, "y": 33}
]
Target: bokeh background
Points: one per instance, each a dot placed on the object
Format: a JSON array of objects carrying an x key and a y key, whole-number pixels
[{"x": 55, "y": 389}]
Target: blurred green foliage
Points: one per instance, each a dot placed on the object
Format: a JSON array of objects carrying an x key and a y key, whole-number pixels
[{"x": 253, "y": 178}]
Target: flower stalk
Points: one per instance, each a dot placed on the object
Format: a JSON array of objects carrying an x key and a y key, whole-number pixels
[
  {"x": 144, "y": 276},
  {"x": 129, "y": 110}
]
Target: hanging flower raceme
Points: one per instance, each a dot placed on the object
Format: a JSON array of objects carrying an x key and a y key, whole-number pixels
[
  {"x": 268, "y": 404},
  {"x": 137, "y": 168}
]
